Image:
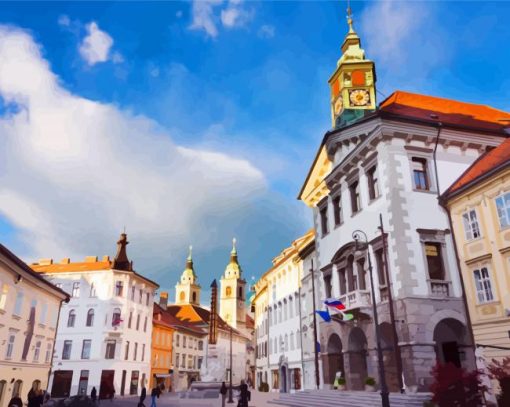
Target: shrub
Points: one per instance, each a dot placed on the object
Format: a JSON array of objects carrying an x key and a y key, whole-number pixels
[
  {"x": 370, "y": 381},
  {"x": 341, "y": 381},
  {"x": 264, "y": 387},
  {"x": 454, "y": 386},
  {"x": 501, "y": 372}
]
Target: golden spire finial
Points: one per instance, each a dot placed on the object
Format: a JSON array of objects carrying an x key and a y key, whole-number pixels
[{"x": 349, "y": 16}]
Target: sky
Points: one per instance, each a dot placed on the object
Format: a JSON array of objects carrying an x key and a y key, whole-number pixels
[{"x": 190, "y": 123}]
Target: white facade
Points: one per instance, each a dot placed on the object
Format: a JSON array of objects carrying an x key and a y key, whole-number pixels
[
  {"x": 188, "y": 355},
  {"x": 104, "y": 334}
]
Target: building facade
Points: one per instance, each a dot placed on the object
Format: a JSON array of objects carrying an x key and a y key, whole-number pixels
[
  {"x": 161, "y": 349},
  {"x": 104, "y": 334},
  {"x": 29, "y": 309},
  {"x": 479, "y": 206},
  {"x": 393, "y": 161}
]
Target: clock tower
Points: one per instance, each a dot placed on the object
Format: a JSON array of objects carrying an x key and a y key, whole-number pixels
[
  {"x": 233, "y": 293},
  {"x": 187, "y": 291},
  {"x": 353, "y": 82}
]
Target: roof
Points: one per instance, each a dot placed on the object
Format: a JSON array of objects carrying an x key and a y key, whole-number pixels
[
  {"x": 170, "y": 320},
  {"x": 449, "y": 111},
  {"x": 22, "y": 265},
  {"x": 485, "y": 166},
  {"x": 250, "y": 323}
]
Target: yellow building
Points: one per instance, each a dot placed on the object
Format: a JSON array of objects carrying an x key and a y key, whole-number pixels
[
  {"x": 29, "y": 309},
  {"x": 162, "y": 338},
  {"x": 479, "y": 206}
]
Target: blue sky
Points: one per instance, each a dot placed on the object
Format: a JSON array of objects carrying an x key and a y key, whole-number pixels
[{"x": 193, "y": 122}]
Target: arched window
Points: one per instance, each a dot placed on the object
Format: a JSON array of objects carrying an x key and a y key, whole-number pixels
[
  {"x": 291, "y": 308},
  {"x": 71, "y": 318},
  {"x": 16, "y": 389},
  {"x": 116, "y": 320},
  {"x": 92, "y": 290},
  {"x": 90, "y": 317},
  {"x": 228, "y": 291}
]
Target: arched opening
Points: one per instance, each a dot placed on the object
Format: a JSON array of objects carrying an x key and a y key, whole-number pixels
[
  {"x": 333, "y": 361},
  {"x": 90, "y": 317},
  {"x": 450, "y": 336},
  {"x": 357, "y": 360},
  {"x": 16, "y": 389},
  {"x": 71, "y": 318},
  {"x": 389, "y": 356}
]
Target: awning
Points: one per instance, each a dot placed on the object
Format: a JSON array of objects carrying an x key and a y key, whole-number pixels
[{"x": 163, "y": 375}]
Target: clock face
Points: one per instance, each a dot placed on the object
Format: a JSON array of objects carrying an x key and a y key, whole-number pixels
[
  {"x": 359, "y": 97},
  {"x": 338, "y": 106}
]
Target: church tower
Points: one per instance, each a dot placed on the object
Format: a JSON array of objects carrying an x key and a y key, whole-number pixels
[
  {"x": 233, "y": 293},
  {"x": 187, "y": 291},
  {"x": 353, "y": 82}
]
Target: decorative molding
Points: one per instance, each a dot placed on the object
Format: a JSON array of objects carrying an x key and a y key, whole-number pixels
[{"x": 478, "y": 259}]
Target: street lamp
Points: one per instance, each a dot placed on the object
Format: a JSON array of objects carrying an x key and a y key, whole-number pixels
[
  {"x": 385, "y": 397},
  {"x": 230, "y": 399}
]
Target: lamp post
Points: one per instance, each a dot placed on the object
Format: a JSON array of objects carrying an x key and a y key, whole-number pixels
[
  {"x": 230, "y": 399},
  {"x": 385, "y": 397}
]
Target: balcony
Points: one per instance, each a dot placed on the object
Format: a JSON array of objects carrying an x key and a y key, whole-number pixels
[
  {"x": 356, "y": 299},
  {"x": 439, "y": 288}
]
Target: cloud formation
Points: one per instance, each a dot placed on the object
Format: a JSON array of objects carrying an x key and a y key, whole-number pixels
[
  {"x": 75, "y": 171},
  {"x": 96, "y": 45},
  {"x": 266, "y": 31}
]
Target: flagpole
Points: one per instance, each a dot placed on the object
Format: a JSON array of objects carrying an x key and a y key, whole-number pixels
[{"x": 316, "y": 354}]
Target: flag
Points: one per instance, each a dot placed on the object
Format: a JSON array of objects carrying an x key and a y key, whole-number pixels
[
  {"x": 318, "y": 346},
  {"x": 324, "y": 315},
  {"x": 117, "y": 321},
  {"x": 336, "y": 304},
  {"x": 346, "y": 316}
]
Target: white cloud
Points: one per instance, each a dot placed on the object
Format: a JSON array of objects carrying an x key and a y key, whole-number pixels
[
  {"x": 230, "y": 16},
  {"x": 117, "y": 58},
  {"x": 96, "y": 45},
  {"x": 75, "y": 171},
  {"x": 207, "y": 15},
  {"x": 266, "y": 31},
  {"x": 64, "y": 20},
  {"x": 204, "y": 17}
]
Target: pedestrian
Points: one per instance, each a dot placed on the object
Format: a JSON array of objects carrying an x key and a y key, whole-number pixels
[
  {"x": 93, "y": 394},
  {"x": 155, "y": 394},
  {"x": 15, "y": 401},
  {"x": 223, "y": 392},
  {"x": 243, "y": 396},
  {"x": 143, "y": 395}
]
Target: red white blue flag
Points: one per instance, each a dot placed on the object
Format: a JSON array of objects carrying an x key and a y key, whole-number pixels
[{"x": 333, "y": 303}]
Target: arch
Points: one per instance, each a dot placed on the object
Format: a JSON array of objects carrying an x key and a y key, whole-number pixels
[
  {"x": 450, "y": 336},
  {"x": 90, "y": 317},
  {"x": 17, "y": 388},
  {"x": 71, "y": 318},
  {"x": 333, "y": 360},
  {"x": 357, "y": 349},
  {"x": 437, "y": 317},
  {"x": 343, "y": 251}
]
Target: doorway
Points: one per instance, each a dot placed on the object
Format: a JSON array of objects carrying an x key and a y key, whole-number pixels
[
  {"x": 106, "y": 389},
  {"x": 283, "y": 375},
  {"x": 123, "y": 383},
  {"x": 451, "y": 353},
  {"x": 62, "y": 383},
  {"x": 16, "y": 389}
]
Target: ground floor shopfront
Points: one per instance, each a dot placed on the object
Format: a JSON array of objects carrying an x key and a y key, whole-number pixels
[
  {"x": 109, "y": 381},
  {"x": 18, "y": 378}
]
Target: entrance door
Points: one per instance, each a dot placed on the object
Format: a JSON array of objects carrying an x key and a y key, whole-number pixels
[
  {"x": 123, "y": 383},
  {"x": 283, "y": 374},
  {"x": 451, "y": 353},
  {"x": 106, "y": 387},
  {"x": 62, "y": 383},
  {"x": 84, "y": 381},
  {"x": 133, "y": 388}
]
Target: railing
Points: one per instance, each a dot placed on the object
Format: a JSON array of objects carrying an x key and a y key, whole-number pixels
[
  {"x": 356, "y": 299},
  {"x": 439, "y": 288}
]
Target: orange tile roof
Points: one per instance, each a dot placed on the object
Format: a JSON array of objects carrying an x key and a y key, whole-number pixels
[
  {"x": 70, "y": 267},
  {"x": 453, "y": 112},
  {"x": 486, "y": 163}
]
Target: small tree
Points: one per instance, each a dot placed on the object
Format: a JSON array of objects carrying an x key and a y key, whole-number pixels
[
  {"x": 500, "y": 370},
  {"x": 455, "y": 387}
]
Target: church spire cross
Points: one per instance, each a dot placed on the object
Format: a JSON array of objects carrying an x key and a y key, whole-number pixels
[{"x": 190, "y": 251}]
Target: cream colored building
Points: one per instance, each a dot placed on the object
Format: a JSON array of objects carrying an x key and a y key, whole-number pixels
[
  {"x": 29, "y": 309},
  {"x": 479, "y": 205}
]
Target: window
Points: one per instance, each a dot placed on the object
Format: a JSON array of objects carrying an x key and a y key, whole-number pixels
[
  {"x": 483, "y": 285},
  {"x": 90, "y": 317},
  {"x": 471, "y": 227},
  {"x": 183, "y": 361},
  {"x": 85, "y": 349},
  {"x": 71, "y": 319},
  {"x": 177, "y": 360},
  {"x": 135, "y": 351},
  {"x": 380, "y": 266},
  {"x": 10, "y": 346},
  {"x": 138, "y": 322},
  {"x": 133, "y": 388},
  {"x": 66, "y": 350},
  {"x": 93, "y": 293},
  {"x": 240, "y": 292},
  {"x": 49, "y": 348},
  {"x": 420, "y": 176},
  {"x": 143, "y": 352},
  {"x": 327, "y": 286},
  {"x": 126, "y": 355},
  {"x": 110, "y": 350},
  {"x": 200, "y": 345},
  {"x": 324, "y": 220},
  {"x": 84, "y": 381},
  {"x": 133, "y": 293},
  {"x": 116, "y": 317},
  {"x": 141, "y": 296},
  {"x": 199, "y": 363},
  {"x": 130, "y": 319},
  {"x": 18, "y": 305},
  {"x": 355, "y": 197},
  {"x": 145, "y": 325},
  {"x": 434, "y": 261},
  {"x": 119, "y": 288},
  {"x": 44, "y": 313},
  {"x": 373, "y": 183},
  {"x": 228, "y": 291},
  {"x": 147, "y": 298},
  {"x": 4, "y": 291},
  {"x": 37, "y": 351},
  {"x": 503, "y": 207},
  {"x": 76, "y": 290},
  {"x": 177, "y": 340},
  {"x": 337, "y": 209},
  {"x": 183, "y": 341}
]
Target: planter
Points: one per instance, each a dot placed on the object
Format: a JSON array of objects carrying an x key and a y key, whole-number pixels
[
  {"x": 341, "y": 387},
  {"x": 369, "y": 387}
]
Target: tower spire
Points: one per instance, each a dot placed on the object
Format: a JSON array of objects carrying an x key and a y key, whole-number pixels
[
  {"x": 121, "y": 261},
  {"x": 349, "y": 17}
]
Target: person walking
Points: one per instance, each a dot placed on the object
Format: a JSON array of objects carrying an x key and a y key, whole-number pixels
[
  {"x": 155, "y": 394},
  {"x": 93, "y": 395},
  {"x": 243, "y": 397},
  {"x": 15, "y": 401},
  {"x": 223, "y": 392},
  {"x": 143, "y": 395}
]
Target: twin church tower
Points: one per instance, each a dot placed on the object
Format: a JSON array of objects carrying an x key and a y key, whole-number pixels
[{"x": 232, "y": 290}]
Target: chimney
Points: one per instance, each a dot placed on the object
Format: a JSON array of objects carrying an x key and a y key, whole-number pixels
[{"x": 163, "y": 299}]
